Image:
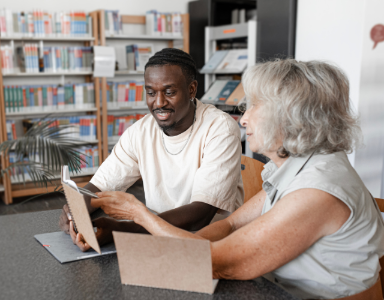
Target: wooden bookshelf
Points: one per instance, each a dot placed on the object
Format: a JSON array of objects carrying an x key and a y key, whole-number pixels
[
  {"x": 12, "y": 190},
  {"x": 48, "y": 74},
  {"x": 139, "y": 20},
  {"x": 48, "y": 38}
]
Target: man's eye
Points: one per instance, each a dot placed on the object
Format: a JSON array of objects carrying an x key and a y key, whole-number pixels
[
  {"x": 169, "y": 93},
  {"x": 151, "y": 94}
]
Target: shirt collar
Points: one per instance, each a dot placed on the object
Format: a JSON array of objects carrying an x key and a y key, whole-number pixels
[{"x": 281, "y": 177}]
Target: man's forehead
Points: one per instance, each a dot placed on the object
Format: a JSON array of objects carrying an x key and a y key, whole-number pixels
[{"x": 164, "y": 75}]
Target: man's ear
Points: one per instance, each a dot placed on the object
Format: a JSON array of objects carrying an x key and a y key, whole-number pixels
[{"x": 193, "y": 89}]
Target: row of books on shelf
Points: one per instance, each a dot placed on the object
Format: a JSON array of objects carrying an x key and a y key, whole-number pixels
[
  {"x": 31, "y": 98},
  {"x": 40, "y": 23},
  {"x": 32, "y": 58},
  {"x": 121, "y": 94},
  {"x": 227, "y": 61},
  {"x": 163, "y": 24},
  {"x": 80, "y": 128},
  {"x": 133, "y": 57},
  {"x": 89, "y": 165},
  {"x": 118, "y": 124},
  {"x": 157, "y": 23},
  {"x": 228, "y": 92}
]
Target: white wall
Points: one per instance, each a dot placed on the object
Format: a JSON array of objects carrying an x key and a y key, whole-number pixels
[
  {"x": 370, "y": 158},
  {"x": 337, "y": 31},
  {"x": 127, "y": 7}
]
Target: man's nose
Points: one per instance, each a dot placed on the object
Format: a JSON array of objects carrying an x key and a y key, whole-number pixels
[{"x": 160, "y": 100}]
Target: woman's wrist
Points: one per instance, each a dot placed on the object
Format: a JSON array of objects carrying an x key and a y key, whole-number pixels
[{"x": 140, "y": 215}]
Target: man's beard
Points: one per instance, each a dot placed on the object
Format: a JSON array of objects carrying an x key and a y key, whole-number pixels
[{"x": 168, "y": 127}]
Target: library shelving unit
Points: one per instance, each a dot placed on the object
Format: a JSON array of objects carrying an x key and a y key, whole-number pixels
[
  {"x": 16, "y": 189},
  {"x": 133, "y": 31},
  {"x": 229, "y": 32}
]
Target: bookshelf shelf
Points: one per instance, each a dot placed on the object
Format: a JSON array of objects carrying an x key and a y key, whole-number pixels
[
  {"x": 132, "y": 108},
  {"x": 128, "y": 72},
  {"x": 61, "y": 111},
  {"x": 48, "y": 74},
  {"x": 47, "y": 38},
  {"x": 144, "y": 37},
  {"x": 73, "y": 175},
  {"x": 20, "y": 191},
  {"x": 221, "y": 72}
]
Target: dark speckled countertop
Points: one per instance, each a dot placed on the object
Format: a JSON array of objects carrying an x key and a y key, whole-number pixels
[{"x": 28, "y": 271}]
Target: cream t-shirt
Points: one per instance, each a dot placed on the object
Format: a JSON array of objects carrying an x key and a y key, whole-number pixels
[{"x": 207, "y": 170}]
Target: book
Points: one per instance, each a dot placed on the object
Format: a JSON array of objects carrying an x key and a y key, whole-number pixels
[
  {"x": 227, "y": 90},
  {"x": 130, "y": 57},
  {"x": 234, "y": 62},
  {"x": 237, "y": 96},
  {"x": 214, "y": 61},
  {"x": 214, "y": 90}
]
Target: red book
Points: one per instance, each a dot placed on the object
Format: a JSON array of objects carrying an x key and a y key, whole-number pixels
[{"x": 139, "y": 92}]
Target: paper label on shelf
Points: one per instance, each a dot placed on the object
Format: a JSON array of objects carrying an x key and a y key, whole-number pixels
[{"x": 105, "y": 61}]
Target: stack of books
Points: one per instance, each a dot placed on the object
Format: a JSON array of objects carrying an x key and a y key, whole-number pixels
[
  {"x": 163, "y": 24},
  {"x": 133, "y": 57},
  {"x": 120, "y": 94},
  {"x": 37, "y": 98},
  {"x": 228, "y": 92},
  {"x": 82, "y": 128},
  {"x": 118, "y": 124},
  {"x": 227, "y": 61},
  {"x": 39, "y": 23},
  {"x": 11, "y": 130}
]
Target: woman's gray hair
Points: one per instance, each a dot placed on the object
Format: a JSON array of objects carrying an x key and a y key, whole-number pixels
[{"x": 304, "y": 103}]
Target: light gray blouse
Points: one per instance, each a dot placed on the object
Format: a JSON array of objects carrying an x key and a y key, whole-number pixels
[{"x": 340, "y": 264}]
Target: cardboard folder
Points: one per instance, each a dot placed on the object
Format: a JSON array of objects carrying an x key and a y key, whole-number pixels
[
  {"x": 78, "y": 209},
  {"x": 164, "y": 262}
]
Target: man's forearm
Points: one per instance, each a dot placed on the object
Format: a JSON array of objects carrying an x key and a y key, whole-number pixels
[{"x": 191, "y": 217}]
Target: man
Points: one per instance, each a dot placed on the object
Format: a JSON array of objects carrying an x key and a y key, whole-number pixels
[{"x": 187, "y": 153}]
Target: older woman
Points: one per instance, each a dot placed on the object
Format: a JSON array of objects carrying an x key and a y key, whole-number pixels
[{"x": 314, "y": 226}]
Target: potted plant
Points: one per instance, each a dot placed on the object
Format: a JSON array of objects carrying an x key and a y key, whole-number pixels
[{"x": 41, "y": 152}]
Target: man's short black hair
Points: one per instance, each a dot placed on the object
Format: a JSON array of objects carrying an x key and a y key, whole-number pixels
[{"x": 175, "y": 57}]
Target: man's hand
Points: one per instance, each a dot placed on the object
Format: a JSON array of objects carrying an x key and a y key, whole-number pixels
[
  {"x": 119, "y": 205},
  {"x": 65, "y": 218},
  {"x": 105, "y": 226}
]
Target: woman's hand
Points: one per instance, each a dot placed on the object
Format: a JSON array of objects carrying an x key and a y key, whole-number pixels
[{"x": 119, "y": 205}]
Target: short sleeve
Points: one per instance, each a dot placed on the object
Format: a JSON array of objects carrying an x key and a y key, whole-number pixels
[
  {"x": 120, "y": 170},
  {"x": 218, "y": 180}
]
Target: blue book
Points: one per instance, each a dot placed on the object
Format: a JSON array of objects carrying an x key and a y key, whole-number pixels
[
  {"x": 227, "y": 90},
  {"x": 214, "y": 61}
]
